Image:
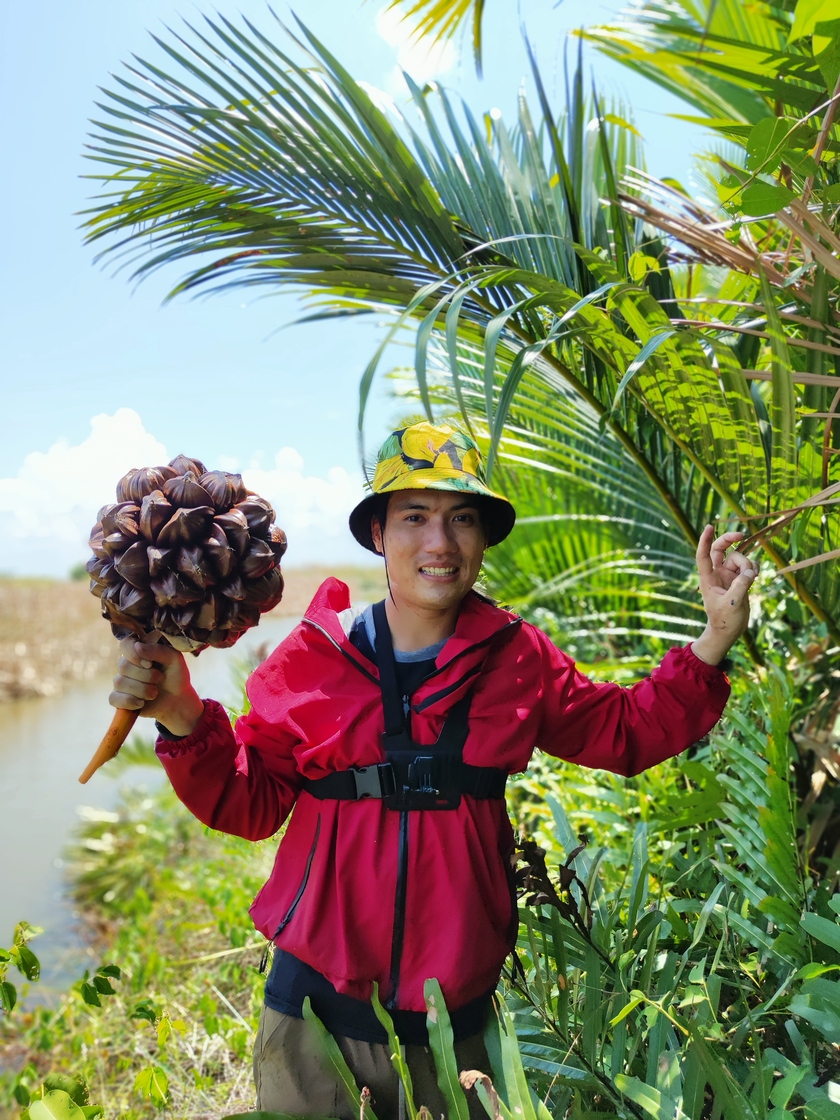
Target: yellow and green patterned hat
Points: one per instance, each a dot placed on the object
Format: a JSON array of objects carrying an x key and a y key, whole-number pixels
[{"x": 432, "y": 457}]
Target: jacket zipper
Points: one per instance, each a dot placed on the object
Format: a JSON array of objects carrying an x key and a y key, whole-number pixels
[
  {"x": 476, "y": 645},
  {"x": 342, "y": 651},
  {"x": 400, "y": 892},
  {"x": 439, "y": 695},
  {"x": 398, "y": 935},
  {"x": 287, "y": 917}
]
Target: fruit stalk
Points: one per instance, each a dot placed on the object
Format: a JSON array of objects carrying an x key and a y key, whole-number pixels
[{"x": 121, "y": 725}]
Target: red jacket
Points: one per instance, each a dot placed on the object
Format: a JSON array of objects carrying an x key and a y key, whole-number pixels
[{"x": 316, "y": 708}]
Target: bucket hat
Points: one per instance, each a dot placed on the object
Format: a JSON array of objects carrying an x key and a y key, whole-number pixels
[{"x": 428, "y": 456}]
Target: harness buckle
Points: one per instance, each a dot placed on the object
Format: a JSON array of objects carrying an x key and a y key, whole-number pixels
[{"x": 376, "y": 780}]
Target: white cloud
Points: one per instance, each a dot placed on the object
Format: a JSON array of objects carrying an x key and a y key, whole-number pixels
[
  {"x": 48, "y": 507},
  {"x": 421, "y": 58},
  {"x": 312, "y": 509}
]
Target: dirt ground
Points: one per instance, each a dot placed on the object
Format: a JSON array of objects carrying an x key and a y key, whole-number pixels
[{"x": 51, "y": 632}]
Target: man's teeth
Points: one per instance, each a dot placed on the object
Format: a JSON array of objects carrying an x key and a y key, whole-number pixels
[{"x": 439, "y": 571}]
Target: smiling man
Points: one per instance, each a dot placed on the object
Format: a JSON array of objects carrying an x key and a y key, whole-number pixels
[{"x": 388, "y": 734}]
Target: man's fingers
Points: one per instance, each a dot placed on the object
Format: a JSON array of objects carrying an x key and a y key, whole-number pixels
[
  {"x": 138, "y": 652},
  {"x": 133, "y": 680},
  {"x": 125, "y": 700},
  {"x": 730, "y": 537},
  {"x": 737, "y": 560},
  {"x": 721, "y": 544},
  {"x": 739, "y": 589},
  {"x": 128, "y": 651},
  {"x": 703, "y": 554},
  {"x": 137, "y": 671},
  {"x": 148, "y": 652}
]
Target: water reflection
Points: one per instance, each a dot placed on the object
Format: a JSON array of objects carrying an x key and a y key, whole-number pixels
[{"x": 44, "y": 745}]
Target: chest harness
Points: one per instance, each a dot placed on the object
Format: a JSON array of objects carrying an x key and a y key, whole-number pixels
[{"x": 414, "y": 775}]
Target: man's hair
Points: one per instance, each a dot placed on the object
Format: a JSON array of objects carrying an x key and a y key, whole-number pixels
[{"x": 379, "y": 510}]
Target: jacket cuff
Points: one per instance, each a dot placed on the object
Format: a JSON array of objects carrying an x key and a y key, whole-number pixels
[
  {"x": 711, "y": 674},
  {"x": 167, "y": 743}
]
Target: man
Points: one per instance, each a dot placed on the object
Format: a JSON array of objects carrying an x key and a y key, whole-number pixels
[{"x": 390, "y": 735}]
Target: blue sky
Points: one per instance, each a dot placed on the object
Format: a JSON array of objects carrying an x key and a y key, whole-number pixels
[{"x": 98, "y": 376}]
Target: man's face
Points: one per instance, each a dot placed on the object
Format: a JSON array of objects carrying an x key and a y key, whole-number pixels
[{"x": 433, "y": 544}]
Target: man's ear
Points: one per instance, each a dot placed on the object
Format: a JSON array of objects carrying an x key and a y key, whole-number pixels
[{"x": 376, "y": 534}]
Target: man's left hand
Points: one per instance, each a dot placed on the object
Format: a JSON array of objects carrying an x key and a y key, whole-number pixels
[{"x": 725, "y": 582}]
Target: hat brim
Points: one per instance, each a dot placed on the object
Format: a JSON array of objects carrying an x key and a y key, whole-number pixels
[{"x": 499, "y": 513}]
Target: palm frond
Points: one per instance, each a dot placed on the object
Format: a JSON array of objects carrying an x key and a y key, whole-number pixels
[
  {"x": 728, "y": 59},
  {"x": 265, "y": 170},
  {"x": 595, "y": 556},
  {"x": 259, "y": 161}
]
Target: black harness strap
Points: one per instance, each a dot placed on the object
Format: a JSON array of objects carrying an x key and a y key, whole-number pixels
[
  {"x": 378, "y": 781},
  {"x": 386, "y": 663},
  {"x": 415, "y": 775}
]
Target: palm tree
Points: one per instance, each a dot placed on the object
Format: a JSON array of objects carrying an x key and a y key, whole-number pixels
[
  {"x": 595, "y": 559},
  {"x": 256, "y": 169},
  {"x": 767, "y": 79}
]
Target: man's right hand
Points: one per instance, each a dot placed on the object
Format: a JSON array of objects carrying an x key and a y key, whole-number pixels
[{"x": 155, "y": 681}]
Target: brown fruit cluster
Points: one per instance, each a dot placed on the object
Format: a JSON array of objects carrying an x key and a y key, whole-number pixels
[{"x": 188, "y": 552}]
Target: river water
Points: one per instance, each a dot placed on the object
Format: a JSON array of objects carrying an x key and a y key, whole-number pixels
[{"x": 45, "y": 744}]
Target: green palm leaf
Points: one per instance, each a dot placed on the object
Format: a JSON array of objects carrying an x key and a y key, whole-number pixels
[
  {"x": 595, "y": 557},
  {"x": 728, "y": 59},
  {"x": 252, "y": 168},
  {"x": 257, "y": 158}
]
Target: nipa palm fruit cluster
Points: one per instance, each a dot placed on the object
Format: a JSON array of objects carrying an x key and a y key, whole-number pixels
[{"x": 188, "y": 552}]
